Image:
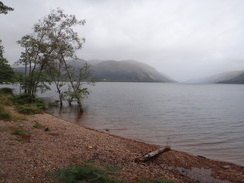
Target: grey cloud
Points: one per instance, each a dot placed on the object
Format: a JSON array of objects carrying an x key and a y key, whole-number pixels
[{"x": 184, "y": 39}]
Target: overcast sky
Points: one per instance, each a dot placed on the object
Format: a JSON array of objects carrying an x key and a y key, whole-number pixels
[{"x": 184, "y": 39}]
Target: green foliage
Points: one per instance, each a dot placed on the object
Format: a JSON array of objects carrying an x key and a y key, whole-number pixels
[
  {"x": 5, "y": 94},
  {"x": 85, "y": 173},
  {"x": 4, "y": 9},
  {"x": 6, "y": 91},
  {"x": 22, "y": 134},
  {"x": 18, "y": 131},
  {"x": 20, "y": 139},
  {"x": 37, "y": 125},
  {"x": 89, "y": 172},
  {"x": 22, "y": 99},
  {"x": 6, "y": 72},
  {"x": 27, "y": 104},
  {"x": 76, "y": 91},
  {"x": 28, "y": 109},
  {"x": 52, "y": 42},
  {"x": 46, "y": 53},
  {"x": 40, "y": 126}
]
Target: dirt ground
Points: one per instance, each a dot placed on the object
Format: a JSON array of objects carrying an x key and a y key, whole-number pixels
[{"x": 44, "y": 143}]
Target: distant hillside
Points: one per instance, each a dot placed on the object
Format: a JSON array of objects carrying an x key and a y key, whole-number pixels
[
  {"x": 126, "y": 70},
  {"x": 234, "y": 77}
]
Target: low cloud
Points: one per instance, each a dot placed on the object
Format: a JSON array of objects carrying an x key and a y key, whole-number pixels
[{"x": 184, "y": 39}]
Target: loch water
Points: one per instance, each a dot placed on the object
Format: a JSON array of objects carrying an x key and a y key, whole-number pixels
[{"x": 201, "y": 119}]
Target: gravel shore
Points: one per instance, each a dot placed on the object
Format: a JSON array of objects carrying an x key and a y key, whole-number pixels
[{"x": 50, "y": 143}]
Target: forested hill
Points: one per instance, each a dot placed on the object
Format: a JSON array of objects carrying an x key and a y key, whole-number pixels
[
  {"x": 234, "y": 77},
  {"x": 126, "y": 70},
  {"x": 122, "y": 71}
]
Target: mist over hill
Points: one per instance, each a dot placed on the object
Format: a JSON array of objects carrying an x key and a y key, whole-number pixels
[
  {"x": 126, "y": 70},
  {"x": 233, "y": 77},
  {"x": 122, "y": 71}
]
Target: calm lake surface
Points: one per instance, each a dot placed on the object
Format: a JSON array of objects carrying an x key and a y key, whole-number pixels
[{"x": 206, "y": 120}]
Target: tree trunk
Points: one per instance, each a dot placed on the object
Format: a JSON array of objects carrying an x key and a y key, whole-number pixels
[
  {"x": 153, "y": 154},
  {"x": 80, "y": 105}
]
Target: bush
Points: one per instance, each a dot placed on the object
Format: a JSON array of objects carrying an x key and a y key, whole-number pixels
[
  {"x": 89, "y": 173},
  {"x": 83, "y": 173},
  {"x": 28, "y": 109},
  {"x": 27, "y": 104},
  {"x": 22, "y": 99},
  {"x": 5, "y": 91},
  {"x": 5, "y": 96}
]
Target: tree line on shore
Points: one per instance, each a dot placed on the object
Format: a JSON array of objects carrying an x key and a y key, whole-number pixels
[{"x": 45, "y": 56}]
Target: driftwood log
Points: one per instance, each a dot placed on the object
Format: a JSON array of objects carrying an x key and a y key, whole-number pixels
[{"x": 153, "y": 154}]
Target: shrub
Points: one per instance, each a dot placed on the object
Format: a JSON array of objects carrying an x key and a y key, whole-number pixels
[
  {"x": 22, "y": 99},
  {"x": 5, "y": 91},
  {"x": 89, "y": 173},
  {"x": 27, "y": 104},
  {"x": 28, "y": 109},
  {"x": 5, "y": 96},
  {"x": 83, "y": 173}
]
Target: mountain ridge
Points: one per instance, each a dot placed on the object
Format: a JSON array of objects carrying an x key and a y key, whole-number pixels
[
  {"x": 231, "y": 77},
  {"x": 123, "y": 71}
]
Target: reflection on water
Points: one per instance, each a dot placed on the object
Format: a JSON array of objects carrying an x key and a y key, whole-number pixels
[{"x": 70, "y": 113}]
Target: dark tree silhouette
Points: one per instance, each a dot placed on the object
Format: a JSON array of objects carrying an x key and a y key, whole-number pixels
[{"x": 4, "y": 9}]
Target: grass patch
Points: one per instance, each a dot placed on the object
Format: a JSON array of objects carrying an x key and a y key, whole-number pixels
[
  {"x": 29, "y": 109},
  {"x": 27, "y": 104},
  {"x": 5, "y": 96},
  {"x": 18, "y": 131},
  {"x": 5, "y": 114},
  {"x": 90, "y": 172},
  {"x": 22, "y": 135},
  {"x": 85, "y": 173},
  {"x": 24, "y": 103},
  {"x": 15, "y": 115},
  {"x": 20, "y": 139},
  {"x": 40, "y": 126},
  {"x": 37, "y": 125}
]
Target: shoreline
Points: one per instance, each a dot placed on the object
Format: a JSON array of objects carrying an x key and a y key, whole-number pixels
[
  {"x": 212, "y": 155},
  {"x": 66, "y": 143}
]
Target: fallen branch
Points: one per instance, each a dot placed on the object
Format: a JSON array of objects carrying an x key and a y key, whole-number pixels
[{"x": 153, "y": 154}]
